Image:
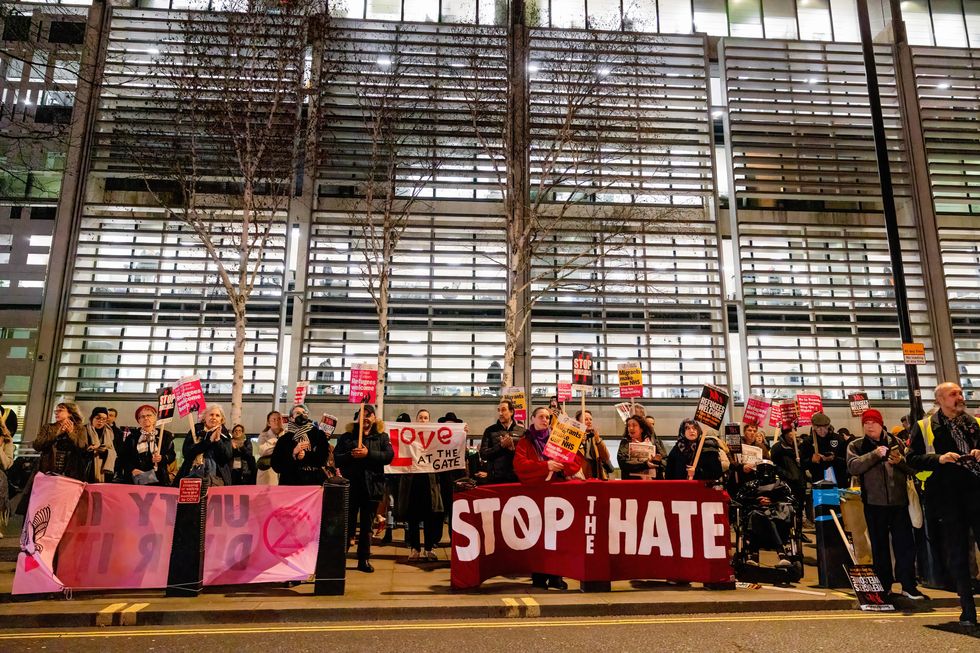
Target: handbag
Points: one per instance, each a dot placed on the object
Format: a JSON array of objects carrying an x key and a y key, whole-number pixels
[
  {"x": 146, "y": 478},
  {"x": 264, "y": 462},
  {"x": 915, "y": 506}
]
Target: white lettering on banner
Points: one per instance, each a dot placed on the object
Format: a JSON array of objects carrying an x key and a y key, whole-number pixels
[
  {"x": 471, "y": 551},
  {"x": 685, "y": 511},
  {"x": 625, "y": 526},
  {"x": 711, "y": 530},
  {"x": 591, "y": 500},
  {"x": 427, "y": 448},
  {"x": 591, "y": 525},
  {"x": 553, "y": 523},
  {"x": 511, "y": 517},
  {"x": 655, "y": 533},
  {"x": 485, "y": 508}
]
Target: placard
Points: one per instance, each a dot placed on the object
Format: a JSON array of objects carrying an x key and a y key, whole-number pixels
[
  {"x": 564, "y": 392},
  {"x": 867, "y": 587},
  {"x": 756, "y": 409},
  {"x": 565, "y": 440},
  {"x": 427, "y": 448},
  {"x": 859, "y": 403},
  {"x": 624, "y": 410},
  {"x": 808, "y": 404},
  {"x": 166, "y": 405},
  {"x": 189, "y": 396},
  {"x": 299, "y": 397},
  {"x": 327, "y": 424},
  {"x": 630, "y": 380},
  {"x": 582, "y": 370},
  {"x": 517, "y": 395},
  {"x": 640, "y": 452},
  {"x": 190, "y": 490},
  {"x": 733, "y": 438},
  {"x": 363, "y": 383},
  {"x": 782, "y": 412},
  {"x": 711, "y": 408}
]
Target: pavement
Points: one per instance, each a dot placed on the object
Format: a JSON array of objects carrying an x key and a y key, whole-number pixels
[{"x": 402, "y": 591}]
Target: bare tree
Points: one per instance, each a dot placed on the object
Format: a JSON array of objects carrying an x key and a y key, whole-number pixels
[
  {"x": 575, "y": 157},
  {"x": 226, "y": 161},
  {"x": 395, "y": 158}
]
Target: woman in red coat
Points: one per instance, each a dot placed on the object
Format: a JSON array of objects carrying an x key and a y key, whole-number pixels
[{"x": 532, "y": 466}]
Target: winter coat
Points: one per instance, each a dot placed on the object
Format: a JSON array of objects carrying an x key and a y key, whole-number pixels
[
  {"x": 499, "y": 461},
  {"x": 105, "y": 463},
  {"x": 366, "y": 475},
  {"x": 710, "y": 467},
  {"x": 267, "y": 442},
  {"x": 63, "y": 453},
  {"x": 419, "y": 496},
  {"x": 950, "y": 481},
  {"x": 882, "y": 484},
  {"x": 308, "y": 471},
  {"x": 628, "y": 470},
  {"x": 595, "y": 457},
  {"x": 137, "y": 451},
  {"x": 531, "y": 467},
  {"x": 199, "y": 444},
  {"x": 243, "y": 466},
  {"x": 829, "y": 444}
]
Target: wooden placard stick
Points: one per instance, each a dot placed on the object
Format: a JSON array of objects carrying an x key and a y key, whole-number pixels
[
  {"x": 360, "y": 426},
  {"x": 697, "y": 456}
]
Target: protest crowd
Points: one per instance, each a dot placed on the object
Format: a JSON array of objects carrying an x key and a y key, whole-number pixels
[{"x": 935, "y": 460}]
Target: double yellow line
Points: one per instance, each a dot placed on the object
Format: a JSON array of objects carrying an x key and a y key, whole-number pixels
[{"x": 208, "y": 629}]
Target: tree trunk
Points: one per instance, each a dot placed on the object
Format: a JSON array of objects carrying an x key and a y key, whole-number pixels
[
  {"x": 382, "y": 349},
  {"x": 238, "y": 377},
  {"x": 511, "y": 336}
]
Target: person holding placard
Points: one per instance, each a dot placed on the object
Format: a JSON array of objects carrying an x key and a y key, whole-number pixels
[
  {"x": 302, "y": 453},
  {"x": 595, "y": 454},
  {"x": 147, "y": 452},
  {"x": 532, "y": 466},
  {"x": 499, "y": 443},
  {"x": 787, "y": 454},
  {"x": 742, "y": 465},
  {"x": 207, "y": 449},
  {"x": 420, "y": 502},
  {"x": 638, "y": 456},
  {"x": 681, "y": 464}
]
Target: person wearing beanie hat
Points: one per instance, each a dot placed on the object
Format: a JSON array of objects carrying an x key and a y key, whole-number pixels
[
  {"x": 878, "y": 459},
  {"x": 828, "y": 461},
  {"x": 102, "y": 467},
  {"x": 146, "y": 451}
]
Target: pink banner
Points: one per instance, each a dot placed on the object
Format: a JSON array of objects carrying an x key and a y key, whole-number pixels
[
  {"x": 190, "y": 396},
  {"x": 755, "y": 411},
  {"x": 564, "y": 391},
  {"x": 262, "y": 534},
  {"x": 363, "y": 384},
  {"x": 51, "y": 504},
  {"x": 120, "y": 537},
  {"x": 807, "y": 405}
]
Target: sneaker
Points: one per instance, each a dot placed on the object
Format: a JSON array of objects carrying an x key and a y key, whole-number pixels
[
  {"x": 414, "y": 555},
  {"x": 784, "y": 562},
  {"x": 751, "y": 562},
  {"x": 914, "y": 595},
  {"x": 430, "y": 556}
]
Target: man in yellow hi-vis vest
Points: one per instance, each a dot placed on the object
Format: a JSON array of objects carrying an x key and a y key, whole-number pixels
[{"x": 948, "y": 445}]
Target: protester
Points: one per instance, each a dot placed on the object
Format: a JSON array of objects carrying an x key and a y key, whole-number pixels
[
  {"x": 8, "y": 428},
  {"x": 267, "y": 443},
  {"x": 829, "y": 459},
  {"x": 148, "y": 452},
  {"x": 947, "y": 446},
  {"x": 768, "y": 511},
  {"x": 63, "y": 444},
  {"x": 363, "y": 464},
  {"x": 741, "y": 469},
  {"x": 448, "y": 478},
  {"x": 101, "y": 447},
  {"x": 595, "y": 454},
  {"x": 499, "y": 443},
  {"x": 879, "y": 459},
  {"x": 302, "y": 454},
  {"x": 420, "y": 501},
  {"x": 207, "y": 449},
  {"x": 532, "y": 466},
  {"x": 633, "y": 467},
  {"x": 787, "y": 454},
  {"x": 845, "y": 434},
  {"x": 711, "y": 465},
  {"x": 243, "y": 467}
]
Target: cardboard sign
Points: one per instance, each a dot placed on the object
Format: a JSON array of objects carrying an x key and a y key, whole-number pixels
[
  {"x": 623, "y": 409},
  {"x": 859, "y": 403},
  {"x": 564, "y": 392},
  {"x": 782, "y": 412},
  {"x": 363, "y": 383},
  {"x": 517, "y": 395},
  {"x": 752, "y": 454},
  {"x": 807, "y": 405},
  {"x": 871, "y": 594},
  {"x": 427, "y": 448},
  {"x": 914, "y": 353},
  {"x": 190, "y": 490},
  {"x": 733, "y": 438},
  {"x": 299, "y": 397},
  {"x": 711, "y": 408},
  {"x": 327, "y": 424},
  {"x": 640, "y": 452},
  {"x": 190, "y": 396},
  {"x": 582, "y": 369},
  {"x": 756, "y": 409},
  {"x": 630, "y": 380},
  {"x": 565, "y": 440},
  {"x": 166, "y": 405}
]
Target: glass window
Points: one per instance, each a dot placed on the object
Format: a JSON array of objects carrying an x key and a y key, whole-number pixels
[
  {"x": 745, "y": 17},
  {"x": 845, "y": 20},
  {"x": 348, "y": 8},
  {"x": 710, "y": 16},
  {"x": 604, "y": 14},
  {"x": 947, "y": 20},
  {"x": 422, "y": 11},
  {"x": 917, "y": 22},
  {"x": 814, "y": 20},
  {"x": 459, "y": 11},
  {"x": 572, "y": 14},
  {"x": 640, "y": 16},
  {"x": 676, "y": 18},
  {"x": 972, "y": 10},
  {"x": 493, "y": 12},
  {"x": 780, "y": 19},
  {"x": 384, "y": 9}
]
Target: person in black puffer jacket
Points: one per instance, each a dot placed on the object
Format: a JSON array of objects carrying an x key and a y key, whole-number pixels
[
  {"x": 711, "y": 466},
  {"x": 499, "y": 443},
  {"x": 302, "y": 453}
]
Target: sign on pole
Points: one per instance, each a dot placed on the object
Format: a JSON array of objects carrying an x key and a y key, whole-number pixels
[
  {"x": 782, "y": 412},
  {"x": 564, "y": 392},
  {"x": 711, "y": 408},
  {"x": 914, "y": 353},
  {"x": 807, "y": 405},
  {"x": 630, "y": 380},
  {"x": 189, "y": 396},
  {"x": 565, "y": 439},
  {"x": 859, "y": 403},
  {"x": 582, "y": 370},
  {"x": 302, "y": 387},
  {"x": 166, "y": 405},
  {"x": 517, "y": 395},
  {"x": 363, "y": 383},
  {"x": 427, "y": 448},
  {"x": 755, "y": 410}
]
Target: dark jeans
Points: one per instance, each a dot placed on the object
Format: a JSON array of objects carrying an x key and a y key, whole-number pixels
[
  {"x": 361, "y": 514},
  {"x": 958, "y": 516},
  {"x": 432, "y": 525},
  {"x": 892, "y": 522}
]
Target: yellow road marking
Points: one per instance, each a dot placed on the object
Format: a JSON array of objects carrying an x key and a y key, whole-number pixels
[
  {"x": 128, "y": 616},
  {"x": 210, "y": 629},
  {"x": 104, "y": 616},
  {"x": 532, "y": 608}
]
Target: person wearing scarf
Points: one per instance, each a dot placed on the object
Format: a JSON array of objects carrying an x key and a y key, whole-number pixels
[
  {"x": 680, "y": 461},
  {"x": 532, "y": 466},
  {"x": 146, "y": 448},
  {"x": 100, "y": 445},
  {"x": 302, "y": 453},
  {"x": 207, "y": 449}
]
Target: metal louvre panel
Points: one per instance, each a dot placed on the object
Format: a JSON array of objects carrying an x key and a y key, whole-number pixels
[
  {"x": 819, "y": 305},
  {"x": 147, "y": 306},
  {"x": 948, "y": 85},
  {"x": 961, "y": 263},
  {"x": 446, "y": 307},
  {"x": 800, "y": 122}
]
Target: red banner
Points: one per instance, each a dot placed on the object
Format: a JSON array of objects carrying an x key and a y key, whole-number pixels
[
  {"x": 591, "y": 530},
  {"x": 807, "y": 405},
  {"x": 564, "y": 391},
  {"x": 755, "y": 410},
  {"x": 363, "y": 384}
]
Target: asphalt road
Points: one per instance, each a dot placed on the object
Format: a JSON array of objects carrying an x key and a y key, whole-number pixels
[{"x": 765, "y": 633}]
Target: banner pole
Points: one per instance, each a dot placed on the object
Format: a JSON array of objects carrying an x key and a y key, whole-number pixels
[
  {"x": 190, "y": 422},
  {"x": 697, "y": 456},
  {"x": 360, "y": 427}
]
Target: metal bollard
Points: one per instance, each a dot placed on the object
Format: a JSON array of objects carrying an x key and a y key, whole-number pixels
[
  {"x": 832, "y": 555},
  {"x": 331, "y": 558},
  {"x": 186, "y": 574}
]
